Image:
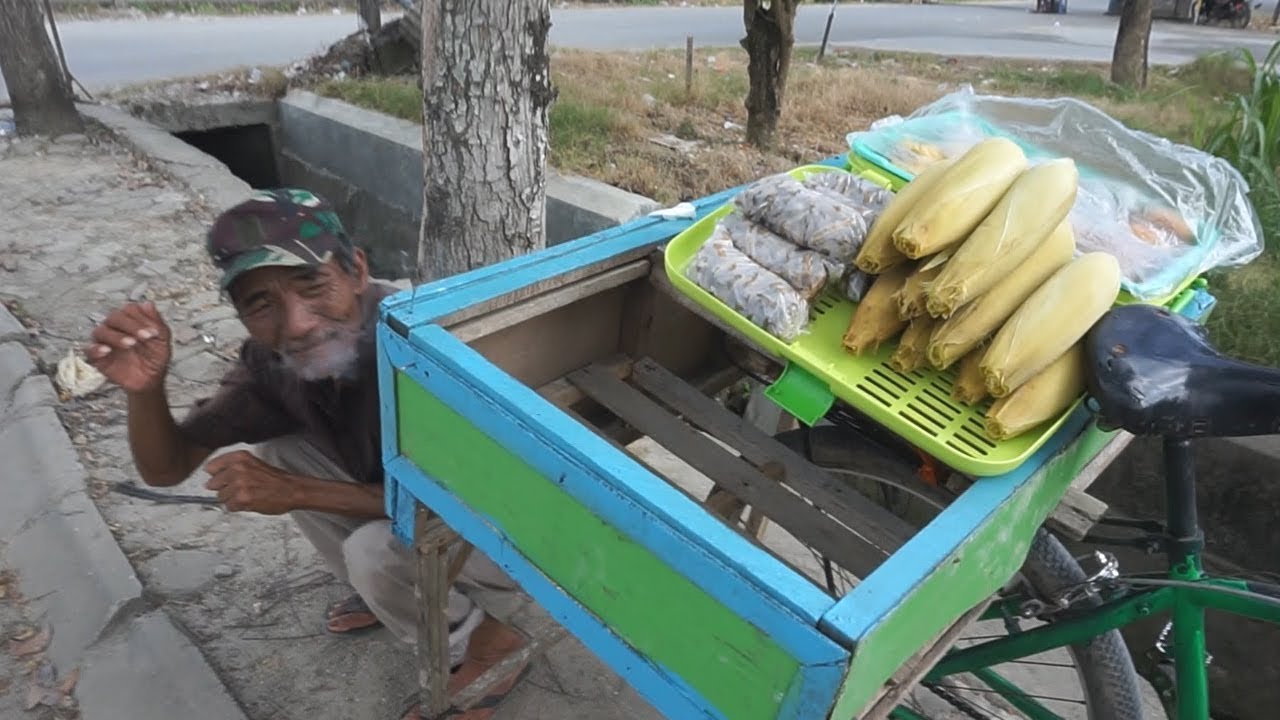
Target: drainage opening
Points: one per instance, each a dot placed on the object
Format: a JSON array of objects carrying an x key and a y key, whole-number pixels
[{"x": 246, "y": 150}]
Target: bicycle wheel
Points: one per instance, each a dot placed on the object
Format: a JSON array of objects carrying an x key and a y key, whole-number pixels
[{"x": 1104, "y": 670}]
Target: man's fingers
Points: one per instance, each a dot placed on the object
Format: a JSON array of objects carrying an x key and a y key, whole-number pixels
[
  {"x": 135, "y": 321},
  {"x": 112, "y": 337},
  {"x": 222, "y": 462}
]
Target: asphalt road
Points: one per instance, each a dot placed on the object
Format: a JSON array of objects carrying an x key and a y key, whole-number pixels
[{"x": 106, "y": 53}]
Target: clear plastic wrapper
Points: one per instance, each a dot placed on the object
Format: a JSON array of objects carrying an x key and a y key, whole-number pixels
[
  {"x": 1166, "y": 211},
  {"x": 810, "y": 218},
  {"x": 806, "y": 270},
  {"x": 855, "y": 284},
  {"x": 757, "y": 294},
  {"x": 865, "y": 196}
]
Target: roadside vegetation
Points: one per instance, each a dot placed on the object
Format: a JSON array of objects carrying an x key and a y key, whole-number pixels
[{"x": 628, "y": 120}]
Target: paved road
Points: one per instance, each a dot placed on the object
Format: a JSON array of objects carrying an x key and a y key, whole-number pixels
[{"x": 110, "y": 52}]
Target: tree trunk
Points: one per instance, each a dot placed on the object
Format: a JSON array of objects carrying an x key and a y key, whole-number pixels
[
  {"x": 370, "y": 14},
  {"x": 770, "y": 36},
  {"x": 487, "y": 84},
  {"x": 1129, "y": 61},
  {"x": 41, "y": 94}
]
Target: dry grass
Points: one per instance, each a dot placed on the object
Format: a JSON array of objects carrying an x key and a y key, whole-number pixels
[{"x": 611, "y": 106}]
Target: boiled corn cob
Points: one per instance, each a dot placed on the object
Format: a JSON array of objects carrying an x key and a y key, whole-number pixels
[
  {"x": 1036, "y": 203},
  {"x": 911, "y": 298},
  {"x": 1044, "y": 397},
  {"x": 878, "y": 252},
  {"x": 970, "y": 387},
  {"x": 981, "y": 318},
  {"x": 1051, "y": 320},
  {"x": 965, "y": 194},
  {"x": 875, "y": 319},
  {"x": 909, "y": 355}
]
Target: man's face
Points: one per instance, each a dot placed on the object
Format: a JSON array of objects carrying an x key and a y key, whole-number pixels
[{"x": 309, "y": 315}]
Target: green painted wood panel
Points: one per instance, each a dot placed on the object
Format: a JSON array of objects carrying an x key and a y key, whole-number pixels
[
  {"x": 979, "y": 567},
  {"x": 657, "y": 611}
]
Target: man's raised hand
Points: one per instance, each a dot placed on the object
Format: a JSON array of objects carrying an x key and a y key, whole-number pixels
[{"x": 132, "y": 348}]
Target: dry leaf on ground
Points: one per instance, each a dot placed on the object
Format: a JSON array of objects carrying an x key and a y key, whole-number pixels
[{"x": 31, "y": 643}]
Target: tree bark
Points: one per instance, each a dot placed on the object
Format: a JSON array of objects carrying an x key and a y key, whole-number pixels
[
  {"x": 1129, "y": 60},
  {"x": 370, "y": 14},
  {"x": 487, "y": 84},
  {"x": 770, "y": 26},
  {"x": 43, "y": 102}
]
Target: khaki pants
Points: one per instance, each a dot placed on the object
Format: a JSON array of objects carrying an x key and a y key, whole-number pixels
[{"x": 367, "y": 555}]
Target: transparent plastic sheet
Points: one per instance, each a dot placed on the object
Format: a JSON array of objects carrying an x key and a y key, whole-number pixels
[
  {"x": 1166, "y": 211},
  {"x": 810, "y": 218},
  {"x": 756, "y": 293},
  {"x": 868, "y": 198},
  {"x": 855, "y": 284},
  {"x": 806, "y": 270}
]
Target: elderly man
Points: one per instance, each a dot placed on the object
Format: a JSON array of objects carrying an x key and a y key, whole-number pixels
[{"x": 304, "y": 392}]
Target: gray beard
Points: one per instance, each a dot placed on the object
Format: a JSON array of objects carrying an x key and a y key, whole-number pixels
[{"x": 335, "y": 359}]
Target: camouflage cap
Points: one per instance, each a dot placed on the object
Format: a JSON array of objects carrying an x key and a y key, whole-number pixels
[{"x": 282, "y": 227}]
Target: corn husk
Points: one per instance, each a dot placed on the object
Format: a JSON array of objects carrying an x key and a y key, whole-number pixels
[
  {"x": 1036, "y": 203},
  {"x": 878, "y": 252},
  {"x": 965, "y": 194},
  {"x": 1053, "y": 318},
  {"x": 875, "y": 319},
  {"x": 911, "y": 298},
  {"x": 909, "y": 355},
  {"x": 970, "y": 387},
  {"x": 1042, "y": 398},
  {"x": 980, "y": 319}
]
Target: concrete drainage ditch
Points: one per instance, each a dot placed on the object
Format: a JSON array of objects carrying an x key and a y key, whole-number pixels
[{"x": 366, "y": 163}]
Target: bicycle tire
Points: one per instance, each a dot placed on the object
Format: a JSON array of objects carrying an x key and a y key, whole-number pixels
[{"x": 1104, "y": 665}]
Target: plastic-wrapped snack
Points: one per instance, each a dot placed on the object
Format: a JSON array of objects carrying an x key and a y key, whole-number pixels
[
  {"x": 758, "y": 294},
  {"x": 866, "y": 197},
  {"x": 810, "y": 218},
  {"x": 855, "y": 284},
  {"x": 806, "y": 270}
]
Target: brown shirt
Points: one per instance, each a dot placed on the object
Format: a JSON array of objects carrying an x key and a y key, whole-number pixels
[{"x": 260, "y": 399}]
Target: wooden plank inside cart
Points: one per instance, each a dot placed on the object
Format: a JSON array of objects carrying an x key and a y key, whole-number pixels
[{"x": 509, "y": 395}]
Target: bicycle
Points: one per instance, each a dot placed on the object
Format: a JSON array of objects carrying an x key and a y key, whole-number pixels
[{"x": 1155, "y": 373}]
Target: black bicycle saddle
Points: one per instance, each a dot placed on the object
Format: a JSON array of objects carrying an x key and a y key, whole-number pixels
[{"x": 1154, "y": 372}]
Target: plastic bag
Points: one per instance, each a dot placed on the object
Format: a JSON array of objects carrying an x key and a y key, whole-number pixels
[
  {"x": 809, "y": 218},
  {"x": 868, "y": 198},
  {"x": 805, "y": 270},
  {"x": 856, "y": 284},
  {"x": 757, "y": 294},
  {"x": 1166, "y": 211}
]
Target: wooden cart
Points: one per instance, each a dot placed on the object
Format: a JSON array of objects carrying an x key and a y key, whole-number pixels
[{"x": 509, "y": 395}]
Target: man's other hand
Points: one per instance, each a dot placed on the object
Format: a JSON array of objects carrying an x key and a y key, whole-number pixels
[
  {"x": 132, "y": 348},
  {"x": 246, "y": 484}
]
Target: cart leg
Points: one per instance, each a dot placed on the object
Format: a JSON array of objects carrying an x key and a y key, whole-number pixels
[{"x": 432, "y": 539}]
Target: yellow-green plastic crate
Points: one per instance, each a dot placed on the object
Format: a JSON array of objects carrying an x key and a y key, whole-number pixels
[{"x": 917, "y": 406}]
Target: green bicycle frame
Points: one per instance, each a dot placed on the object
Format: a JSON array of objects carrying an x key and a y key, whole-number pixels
[{"x": 1184, "y": 596}]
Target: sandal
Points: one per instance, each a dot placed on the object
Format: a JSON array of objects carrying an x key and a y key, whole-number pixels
[
  {"x": 349, "y": 616},
  {"x": 482, "y": 710}
]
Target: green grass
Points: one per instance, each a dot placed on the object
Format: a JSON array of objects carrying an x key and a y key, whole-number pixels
[
  {"x": 395, "y": 96},
  {"x": 1247, "y": 133}
]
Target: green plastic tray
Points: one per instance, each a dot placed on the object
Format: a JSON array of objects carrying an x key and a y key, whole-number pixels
[{"x": 916, "y": 406}]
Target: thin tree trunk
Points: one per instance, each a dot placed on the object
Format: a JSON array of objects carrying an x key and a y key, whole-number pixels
[
  {"x": 43, "y": 102},
  {"x": 370, "y": 14},
  {"x": 487, "y": 85},
  {"x": 1129, "y": 61},
  {"x": 770, "y": 36}
]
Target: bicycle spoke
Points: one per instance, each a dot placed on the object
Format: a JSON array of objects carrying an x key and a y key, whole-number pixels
[{"x": 1041, "y": 663}]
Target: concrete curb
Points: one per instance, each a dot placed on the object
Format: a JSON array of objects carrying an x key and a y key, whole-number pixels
[
  {"x": 133, "y": 663},
  {"x": 203, "y": 174}
]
